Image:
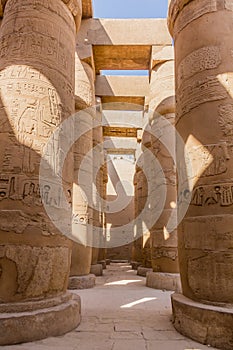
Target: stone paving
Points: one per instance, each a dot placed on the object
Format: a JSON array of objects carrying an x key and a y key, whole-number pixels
[{"x": 120, "y": 313}]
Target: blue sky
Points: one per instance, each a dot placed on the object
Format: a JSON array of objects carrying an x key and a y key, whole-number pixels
[{"x": 130, "y": 8}]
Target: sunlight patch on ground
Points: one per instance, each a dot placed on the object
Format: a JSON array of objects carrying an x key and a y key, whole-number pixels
[
  {"x": 121, "y": 283},
  {"x": 143, "y": 300}
]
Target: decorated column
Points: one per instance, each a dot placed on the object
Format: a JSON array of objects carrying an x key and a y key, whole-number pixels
[
  {"x": 202, "y": 33},
  {"x": 164, "y": 252},
  {"x": 37, "y": 41},
  {"x": 80, "y": 277}
]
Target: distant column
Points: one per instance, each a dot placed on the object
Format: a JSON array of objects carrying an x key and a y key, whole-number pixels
[
  {"x": 202, "y": 33},
  {"x": 80, "y": 277},
  {"x": 164, "y": 252}
]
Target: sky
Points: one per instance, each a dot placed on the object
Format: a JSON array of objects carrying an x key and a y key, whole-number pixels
[{"x": 130, "y": 8}]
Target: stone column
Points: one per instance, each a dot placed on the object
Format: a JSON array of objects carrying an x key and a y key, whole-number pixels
[
  {"x": 96, "y": 268},
  {"x": 202, "y": 33},
  {"x": 146, "y": 237},
  {"x": 37, "y": 40},
  {"x": 139, "y": 180},
  {"x": 104, "y": 180},
  {"x": 80, "y": 277},
  {"x": 164, "y": 252}
]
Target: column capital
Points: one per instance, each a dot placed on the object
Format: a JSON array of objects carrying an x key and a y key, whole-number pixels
[
  {"x": 75, "y": 7},
  {"x": 175, "y": 7}
]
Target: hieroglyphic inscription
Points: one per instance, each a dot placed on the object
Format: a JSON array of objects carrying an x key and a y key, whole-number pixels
[
  {"x": 194, "y": 10},
  {"x": 54, "y": 6},
  {"x": 28, "y": 190},
  {"x": 39, "y": 45},
  {"x": 209, "y": 160},
  {"x": 226, "y": 120},
  {"x": 192, "y": 94},
  {"x": 199, "y": 60},
  {"x": 217, "y": 194}
]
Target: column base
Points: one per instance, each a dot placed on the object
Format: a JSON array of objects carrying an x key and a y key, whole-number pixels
[
  {"x": 164, "y": 281},
  {"x": 142, "y": 271},
  {"x": 135, "y": 265},
  {"x": 34, "y": 320},
  {"x": 108, "y": 261},
  {"x": 97, "y": 269},
  {"x": 207, "y": 324},
  {"x": 103, "y": 263},
  {"x": 82, "y": 282}
]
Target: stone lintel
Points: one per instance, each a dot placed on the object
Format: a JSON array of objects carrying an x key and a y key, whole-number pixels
[
  {"x": 124, "y": 86},
  {"x": 129, "y": 32},
  {"x": 120, "y": 145},
  {"x": 123, "y": 43},
  {"x": 123, "y": 118},
  {"x": 122, "y": 103},
  {"x": 119, "y": 132}
]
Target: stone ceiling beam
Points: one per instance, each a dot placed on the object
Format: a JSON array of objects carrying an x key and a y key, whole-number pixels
[
  {"x": 123, "y": 43},
  {"x": 134, "y": 86}
]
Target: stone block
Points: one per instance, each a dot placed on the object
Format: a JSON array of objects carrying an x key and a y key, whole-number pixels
[
  {"x": 162, "y": 280},
  {"x": 142, "y": 271},
  {"x": 97, "y": 269},
  {"x": 135, "y": 265},
  {"x": 103, "y": 263},
  {"x": 34, "y": 320},
  {"x": 207, "y": 324},
  {"x": 82, "y": 282}
]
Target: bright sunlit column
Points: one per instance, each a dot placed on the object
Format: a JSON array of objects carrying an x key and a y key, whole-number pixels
[
  {"x": 164, "y": 252},
  {"x": 202, "y": 33}
]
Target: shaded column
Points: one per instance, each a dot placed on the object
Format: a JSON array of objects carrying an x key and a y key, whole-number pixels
[
  {"x": 98, "y": 153},
  {"x": 139, "y": 180},
  {"x": 102, "y": 256},
  {"x": 37, "y": 41},
  {"x": 204, "y": 112},
  {"x": 146, "y": 235},
  {"x": 164, "y": 252},
  {"x": 80, "y": 277}
]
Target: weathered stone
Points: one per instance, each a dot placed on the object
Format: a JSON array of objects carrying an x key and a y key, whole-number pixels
[
  {"x": 34, "y": 320},
  {"x": 163, "y": 281},
  {"x": 135, "y": 265},
  {"x": 103, "y": 263},
  {"x": 82, "y": 282},
  {"x": 142, "y": 271},
  {"x": 204, "y": 323},
  {"x": 97, "y": 269}
]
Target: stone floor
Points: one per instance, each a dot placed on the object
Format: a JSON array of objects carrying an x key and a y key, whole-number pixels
[{"x": 120, "y": 313}]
